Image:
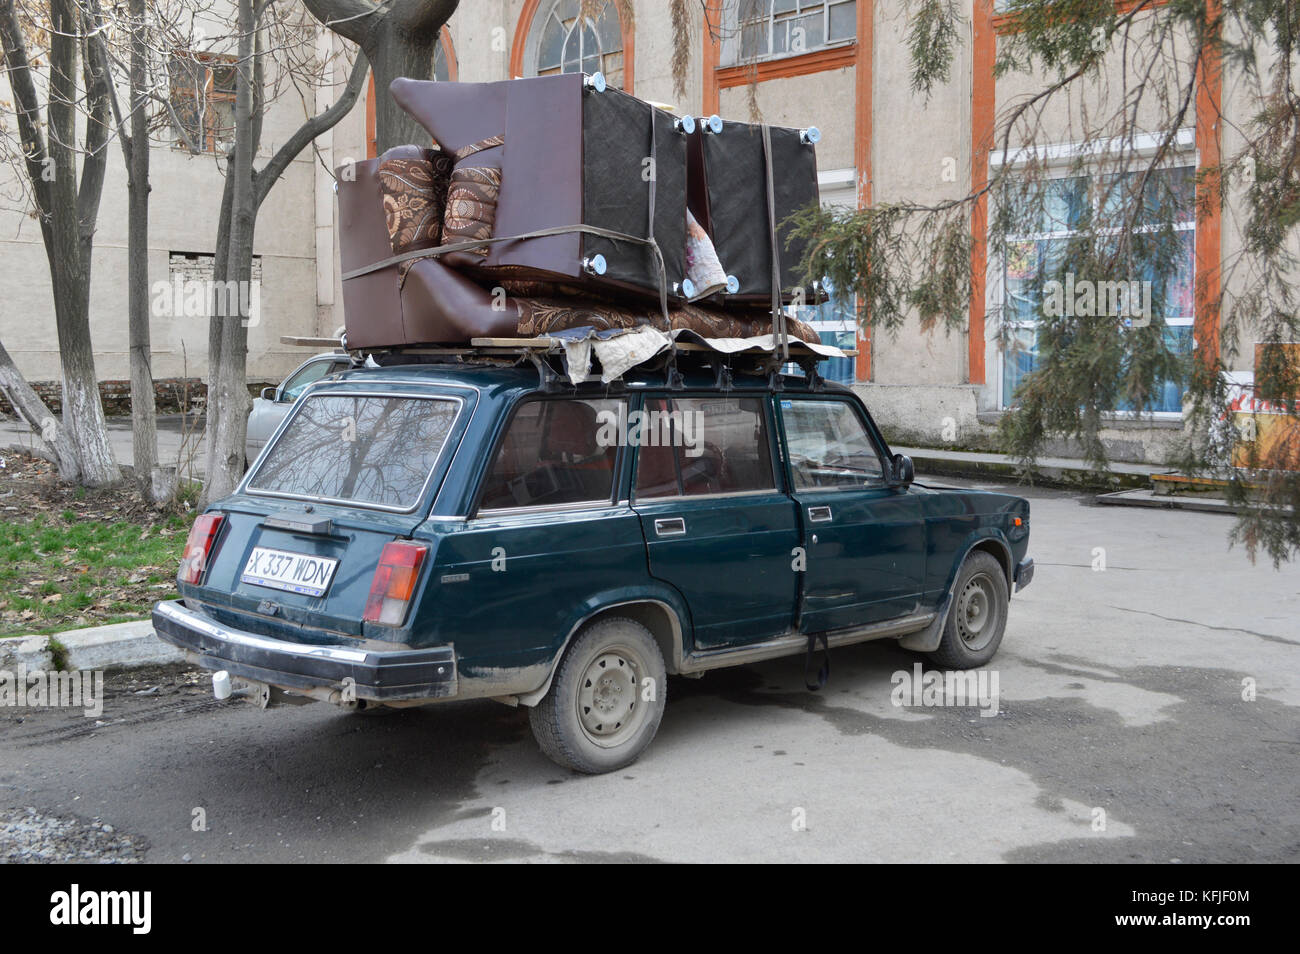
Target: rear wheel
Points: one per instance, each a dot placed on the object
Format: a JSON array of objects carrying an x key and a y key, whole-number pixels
[
  {"x": 978, "y": 616},
  {"x": 606, "y": 699}
]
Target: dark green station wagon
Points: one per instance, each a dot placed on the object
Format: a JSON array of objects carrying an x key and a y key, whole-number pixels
[{"x": 435, "y": 531}]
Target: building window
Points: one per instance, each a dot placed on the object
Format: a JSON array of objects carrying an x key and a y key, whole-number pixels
[
  {"x": 1033, "y": 266},
  {"x": 561, "y": 40},
  {"x": 835, "y": 321},
  {"x": 203, "y": 100},
  {"x": 757, "y": 30},
  {"x": 441, "y": 61}
]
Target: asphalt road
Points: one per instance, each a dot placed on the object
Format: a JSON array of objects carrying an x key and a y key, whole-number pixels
[{"x": 1122, "y": 735}]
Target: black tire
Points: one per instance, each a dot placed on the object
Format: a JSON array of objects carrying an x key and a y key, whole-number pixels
[
  {"x": 586, "y": 722},
  {"x": 978, "y": 615}
]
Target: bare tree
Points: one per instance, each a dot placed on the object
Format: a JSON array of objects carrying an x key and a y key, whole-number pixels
[
  {"x": 263, "y": 30},
  {"x": 142, "y": 64},
  {"x": 73, "y": 82}
]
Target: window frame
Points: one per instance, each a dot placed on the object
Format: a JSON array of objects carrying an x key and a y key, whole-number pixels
[
  {"x": 731, "y": 53},
  {"x": 1059, "y": 164},
  {"x": 875, "y": 439},
  {"x": 207, "y": 61},
  {"x": 537, "y": 26},
  {"x": 246, "y": 485},
  {"x": 774, "y": 457}
]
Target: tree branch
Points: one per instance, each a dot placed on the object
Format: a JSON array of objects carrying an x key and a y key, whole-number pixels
[
  {"x": 417, "y": 16},
  {"x": 95, "y": 162},
  {"x": 269, "y": 174},
  {"x": 28, "y": 108},
  {"x": 353, "y": 19}
]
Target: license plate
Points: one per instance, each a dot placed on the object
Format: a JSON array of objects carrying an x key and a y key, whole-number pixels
[{"x": 292, "y": 572}]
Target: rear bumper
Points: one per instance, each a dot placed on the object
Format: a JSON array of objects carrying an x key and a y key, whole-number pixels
[
  {"x": 378, "y": 675},
  {"x": 1024, "y": 574}
]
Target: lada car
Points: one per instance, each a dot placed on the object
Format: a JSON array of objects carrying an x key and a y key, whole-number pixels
[{"x": 438, "y": 530}]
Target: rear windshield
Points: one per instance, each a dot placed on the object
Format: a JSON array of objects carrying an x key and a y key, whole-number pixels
[{"x": 364, "y": 449}]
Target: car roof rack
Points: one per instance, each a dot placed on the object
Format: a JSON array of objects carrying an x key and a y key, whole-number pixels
[{"x": 486, "y": 347}]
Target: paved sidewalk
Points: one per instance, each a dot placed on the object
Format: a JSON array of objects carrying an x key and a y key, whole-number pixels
[{"x": 170, "y": 438}]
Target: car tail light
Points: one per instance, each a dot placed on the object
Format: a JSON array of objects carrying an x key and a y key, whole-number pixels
[
  {"x": 198, "y": 546},
  {"x": 394, "y": 583}
]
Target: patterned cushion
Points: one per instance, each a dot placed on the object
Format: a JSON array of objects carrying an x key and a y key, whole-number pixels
[
  {"x": 471, "y": 205},
  {"x": 415, "y": 196}
]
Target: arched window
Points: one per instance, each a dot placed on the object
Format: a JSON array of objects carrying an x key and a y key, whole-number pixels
[{"x": 561, "y": 40}]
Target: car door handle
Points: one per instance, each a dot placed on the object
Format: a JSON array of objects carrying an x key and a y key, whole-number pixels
[
  {"x": 670, "y": 526},
  {"x": 819, "y": 514}
]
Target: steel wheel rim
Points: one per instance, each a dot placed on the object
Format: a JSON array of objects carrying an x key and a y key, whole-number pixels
[
  {"x": 976, "y": 609},
  {"x": 610, "y": 710}
]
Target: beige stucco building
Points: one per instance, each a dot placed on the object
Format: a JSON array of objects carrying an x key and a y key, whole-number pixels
[{"x": 841, "y": 65}]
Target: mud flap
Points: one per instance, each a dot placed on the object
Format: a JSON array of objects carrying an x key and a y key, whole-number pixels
[
  {"x": 824, "y": 673},
  {"x": 927, "y": 640}
]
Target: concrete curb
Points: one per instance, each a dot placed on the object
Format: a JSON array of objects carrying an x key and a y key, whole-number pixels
[
  {"x": 1049, "y": 472},
  {"x": 119, "y": 646},
  {"x": 1146, "y": 498}
]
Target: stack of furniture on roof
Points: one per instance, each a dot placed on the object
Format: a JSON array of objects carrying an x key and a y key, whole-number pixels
[{"x": 555, "y": 203}]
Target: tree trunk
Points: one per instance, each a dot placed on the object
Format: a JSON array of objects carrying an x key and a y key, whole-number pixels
[
  {"x": 31, "y": 409},
  {"x": 245, "y": 190},
  {"x": 397, "y": 52},
  {"x": 398, "y": 39},
  {"x": 72, "y": 214},
  {"x": 144, "y": 421},
  {"x": 228, "y": 401}
]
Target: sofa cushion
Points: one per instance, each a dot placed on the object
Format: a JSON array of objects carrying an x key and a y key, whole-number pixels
[
  {"x": 471, "y": 205},
  {"x": 415, "y": 197}
]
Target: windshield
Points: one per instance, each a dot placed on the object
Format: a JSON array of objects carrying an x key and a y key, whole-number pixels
[{"x": 373, "y": 450}]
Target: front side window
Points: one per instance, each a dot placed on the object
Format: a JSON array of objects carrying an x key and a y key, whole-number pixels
[
  {"x": 756, "y": 30},
  {"x": 369, "y": 450},
  {"x": 696, "y": 446},
  {"x": 828, "y": 445},
  {"x": 555, "y": 453}
]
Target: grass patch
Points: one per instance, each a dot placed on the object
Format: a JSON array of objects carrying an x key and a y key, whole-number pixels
[{"x": 60, "y": 571}]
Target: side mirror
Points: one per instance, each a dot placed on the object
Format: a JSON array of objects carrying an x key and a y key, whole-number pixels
[
  {"x": 268, "y": 394},
  {"x": 904, "y": 472}
]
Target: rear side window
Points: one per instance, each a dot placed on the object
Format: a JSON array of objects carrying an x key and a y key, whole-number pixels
[
  {"x": 556, "y": 452},
  {"x": 695, "y": 446},
  {"x": 829, "y": 446},
  {"x": 364, "y": 449}
]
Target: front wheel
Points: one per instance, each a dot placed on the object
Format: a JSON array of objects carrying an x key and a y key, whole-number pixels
[
  {"x": 978, "y": 616},
  {"x": 606, "y": 699}
]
